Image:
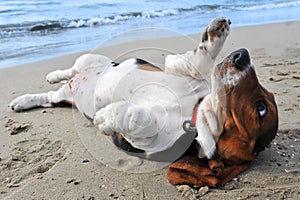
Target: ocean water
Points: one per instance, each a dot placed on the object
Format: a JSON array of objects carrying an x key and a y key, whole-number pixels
[{"x": 32, "y": 30}]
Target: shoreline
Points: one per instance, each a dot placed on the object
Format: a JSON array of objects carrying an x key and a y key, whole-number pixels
[
  {"x": 129, "y": 39},
  {"x": 47, "y": 159}
]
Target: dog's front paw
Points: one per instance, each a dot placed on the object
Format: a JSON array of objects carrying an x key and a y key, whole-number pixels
[
  {"x": 53, "y": 77},
  {"x": 104, "y": 120}
]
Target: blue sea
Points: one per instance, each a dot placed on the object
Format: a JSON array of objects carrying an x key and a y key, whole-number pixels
[{"x": 32, "y": 30}]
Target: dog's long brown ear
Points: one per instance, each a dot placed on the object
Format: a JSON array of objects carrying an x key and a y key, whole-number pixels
[{"x": 191, "y": 171}]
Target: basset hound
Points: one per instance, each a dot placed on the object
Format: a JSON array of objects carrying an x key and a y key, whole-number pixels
[
  {"x": 138, "y": 103},
  {"x": 250, "y": 124},
  {"x": 144, "y": 107}
]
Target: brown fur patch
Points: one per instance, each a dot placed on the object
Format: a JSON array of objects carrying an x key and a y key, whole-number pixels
[
  {"x": 214, "y": 34},
  {"x": 149, "y": 67}
]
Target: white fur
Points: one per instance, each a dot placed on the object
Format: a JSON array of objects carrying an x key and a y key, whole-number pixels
[
  {"x": 205, "y": 137},
  {"x": 209, "y": 126},
  {"x": 232, "y": 77}
]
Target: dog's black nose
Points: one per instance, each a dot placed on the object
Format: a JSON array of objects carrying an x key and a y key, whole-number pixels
[{"x": 240, "y": 58}]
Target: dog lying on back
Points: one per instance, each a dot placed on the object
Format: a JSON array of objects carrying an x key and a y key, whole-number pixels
[
  {"x": 140, "y": 103},
  {"x": 146, "y": 107}
]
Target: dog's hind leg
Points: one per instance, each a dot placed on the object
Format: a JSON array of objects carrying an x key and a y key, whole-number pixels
[
  {"x": 81, "y": 63},
  {"x": 48, "y": 99}
]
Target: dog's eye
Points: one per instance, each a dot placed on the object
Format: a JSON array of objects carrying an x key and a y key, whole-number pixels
[
  {"x": 261, "y": 109},
  {"x": 222, "y": 29}
]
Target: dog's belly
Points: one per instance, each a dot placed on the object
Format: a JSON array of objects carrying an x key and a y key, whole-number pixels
[{"x": 162, "y": 93}]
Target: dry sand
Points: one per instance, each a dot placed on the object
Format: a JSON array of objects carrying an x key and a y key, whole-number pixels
[{"x": 43, "y": 157}]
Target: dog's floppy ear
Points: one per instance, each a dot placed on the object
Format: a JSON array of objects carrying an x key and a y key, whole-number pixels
[{"x": 192, "y": 171}]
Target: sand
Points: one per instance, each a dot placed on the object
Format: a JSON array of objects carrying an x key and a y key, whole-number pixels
[{"x": 42, "y": 155}]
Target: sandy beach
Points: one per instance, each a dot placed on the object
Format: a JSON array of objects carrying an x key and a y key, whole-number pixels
[{"x": 42, "y": 155}]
